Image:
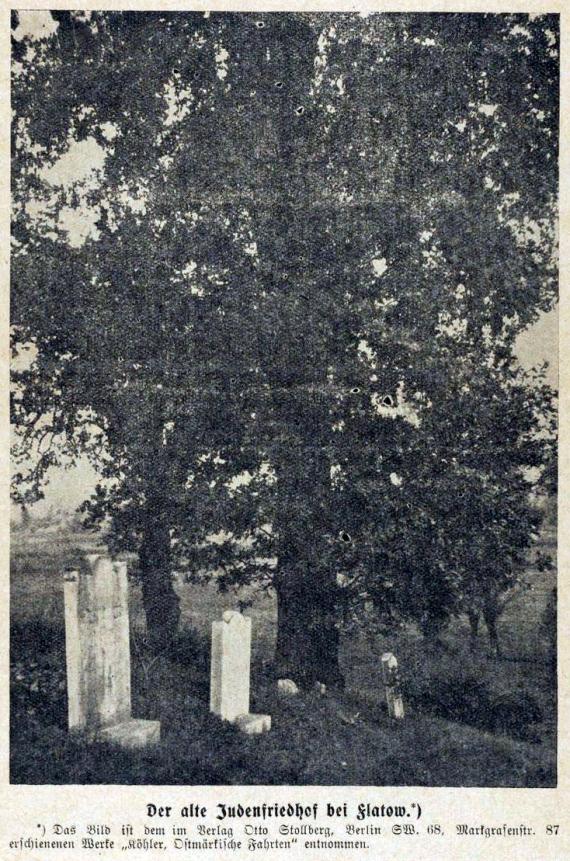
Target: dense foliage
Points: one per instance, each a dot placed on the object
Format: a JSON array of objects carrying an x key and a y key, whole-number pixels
[{"x": 269, "y": 271}]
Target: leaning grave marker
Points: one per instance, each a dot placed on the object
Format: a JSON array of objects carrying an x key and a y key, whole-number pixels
[{"x": 98, "y": 660}]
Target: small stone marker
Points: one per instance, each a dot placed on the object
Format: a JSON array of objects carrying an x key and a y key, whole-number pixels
[
  {"x": 287, "y": 687},
  {"x": 254, "y": 724},
  {"x": 132, "y": 734},
  {"x": 391, "y": 681},
  {"x": 98, "y": 655},
  {"x": 229, "y": 673}
]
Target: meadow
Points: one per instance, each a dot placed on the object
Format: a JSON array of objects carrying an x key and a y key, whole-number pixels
[{"x": 471, "y": 719}]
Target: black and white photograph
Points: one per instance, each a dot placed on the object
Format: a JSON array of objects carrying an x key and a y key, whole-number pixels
[{"x": 284, "y": 398}]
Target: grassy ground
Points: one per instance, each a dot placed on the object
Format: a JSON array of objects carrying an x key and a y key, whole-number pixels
[{"x": 470, "y": 720}]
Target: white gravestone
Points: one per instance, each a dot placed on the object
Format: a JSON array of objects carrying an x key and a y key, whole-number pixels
[
  {"x": 98, "y": 657},
  {"x": 230, "y": 671},
  {"x": 391, "y": 681}
]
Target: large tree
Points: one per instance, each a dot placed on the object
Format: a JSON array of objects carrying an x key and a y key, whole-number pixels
[{"x": 306, "y": 236}]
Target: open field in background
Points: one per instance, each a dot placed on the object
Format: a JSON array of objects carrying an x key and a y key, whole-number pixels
[{"x": 471, "y": 720}]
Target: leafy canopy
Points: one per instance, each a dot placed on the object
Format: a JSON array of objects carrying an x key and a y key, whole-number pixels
[{"x": 269, "y": 270}]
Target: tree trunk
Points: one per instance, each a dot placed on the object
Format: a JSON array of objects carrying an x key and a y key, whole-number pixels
[
  {"x": 432, "y": 628},
  {"x": 491, "y": 622},
  {"x": 160, "y": 601},
  {"x": 473, "y": 616},
  {"x": 491, "y": 611},
  {"x": 26, "y": 517},
  {"x": 308, "y": 639},
  {"x": 307, "y": 649}
]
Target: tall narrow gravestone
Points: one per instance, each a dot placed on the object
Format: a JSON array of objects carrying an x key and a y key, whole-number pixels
[
  {"x": 230, "y": 671},
  {"x": 97, "y": 646},
  {"x": 391, "y": 681}
]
